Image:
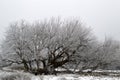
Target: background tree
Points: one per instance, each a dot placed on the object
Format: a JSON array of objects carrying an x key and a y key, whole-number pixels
[{"x": 98, "y": 55}]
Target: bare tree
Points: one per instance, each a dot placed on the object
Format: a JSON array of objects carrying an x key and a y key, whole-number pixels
[{"x": 98, "y": 55}]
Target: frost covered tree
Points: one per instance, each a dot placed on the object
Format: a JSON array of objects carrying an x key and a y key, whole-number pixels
[
  {"x": 98, "y": 55},
  {"x": 45, "y": 45}
]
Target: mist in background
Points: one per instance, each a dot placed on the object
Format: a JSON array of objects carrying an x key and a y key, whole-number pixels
[{"x": 103, "y": 16}]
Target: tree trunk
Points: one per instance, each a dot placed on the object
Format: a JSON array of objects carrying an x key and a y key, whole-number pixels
[{"x": 26, "y": 66}]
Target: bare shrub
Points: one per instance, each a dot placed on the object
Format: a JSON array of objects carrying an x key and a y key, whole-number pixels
[{"x": 16, "y": 76}]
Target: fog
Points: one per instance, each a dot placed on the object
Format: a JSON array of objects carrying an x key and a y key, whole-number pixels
[{"x": 103, "y": 16}]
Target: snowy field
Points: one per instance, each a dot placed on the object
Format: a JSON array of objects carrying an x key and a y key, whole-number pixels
[
  {"x": 73, "y": 77},
  {"x": 19, "y": 75}
]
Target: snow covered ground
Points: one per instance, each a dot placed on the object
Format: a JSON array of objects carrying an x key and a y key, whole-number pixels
[
  {"x": 27, "y": 76},
  {"x": 73, "y": 77}
]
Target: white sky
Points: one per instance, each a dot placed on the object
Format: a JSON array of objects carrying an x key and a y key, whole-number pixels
[{"x": 102, "y": 15}]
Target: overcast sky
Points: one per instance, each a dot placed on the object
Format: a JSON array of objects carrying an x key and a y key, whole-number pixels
[{"x": 102, "y": 15}]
